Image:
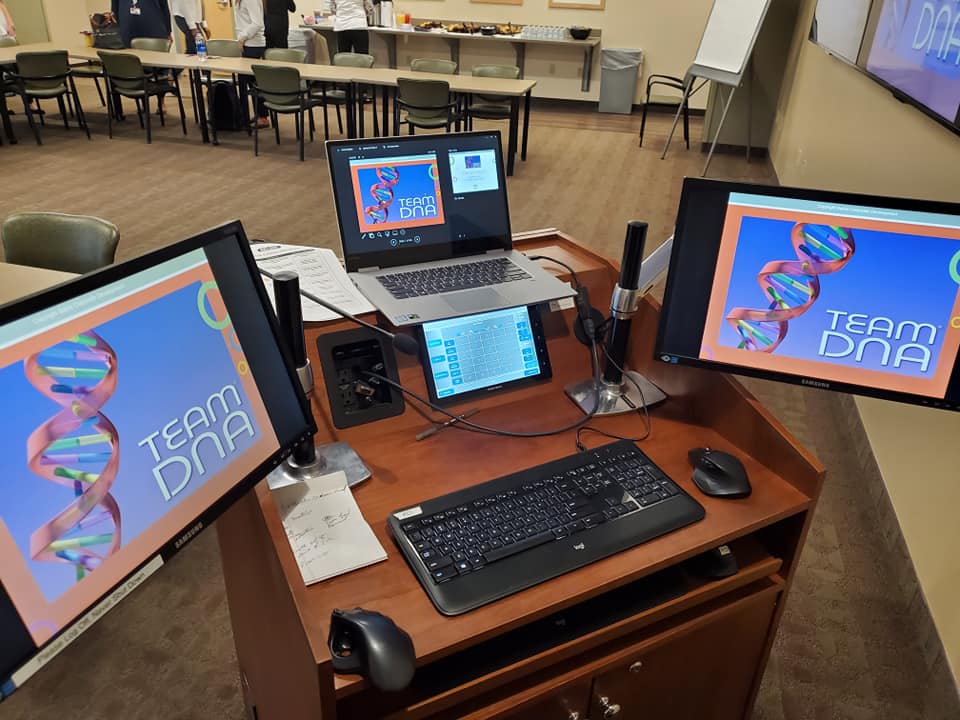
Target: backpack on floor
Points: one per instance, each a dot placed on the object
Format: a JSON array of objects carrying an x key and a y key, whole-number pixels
[{"x": 225, "y": 108}]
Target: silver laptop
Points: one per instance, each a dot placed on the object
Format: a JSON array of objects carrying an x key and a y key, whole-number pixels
[{"x": 425, "y": 227}]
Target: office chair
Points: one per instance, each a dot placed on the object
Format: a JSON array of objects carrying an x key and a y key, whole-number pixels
[
  {"x": 427, "y": 103},
  {"x": 127, "y": 77},
  {"x": 675, "y": 83},
  {"x": 46, "y": 76},
  {"x": 57, "y": 241},
  {"x": 444, "y": 67},
  {"x": 337, "y": 96},
  {"x": 491, "y": 107},
  {"x": 284, "y": 94}
]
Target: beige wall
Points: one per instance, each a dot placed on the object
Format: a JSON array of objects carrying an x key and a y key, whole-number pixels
[
  {"x": 66, "y": 19},
  {"x": 835, "y": 128},
  {"x": 668, "y": 32}
]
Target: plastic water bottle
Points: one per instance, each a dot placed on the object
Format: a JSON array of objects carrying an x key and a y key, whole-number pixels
[{"x": 201, "y": 40}]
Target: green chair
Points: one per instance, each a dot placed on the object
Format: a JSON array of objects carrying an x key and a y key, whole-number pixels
[
  {"x": 46, "y": 76},
  {"x": 56, "y": 241},
  {"x": 284, "y": 94},
  {"x": 427, "y": 104},
  {"x": 126, "y": 77},
  {"x": 294, "y": 55},
  {"x": 6, "y": 90},
  {"x": 90, "y": 70},
  {"x": 491, "y": 107},
  {"x": 219, "y": 47},
  {"x": 337, "y": 96},
  {"x": 444, "y": 67},
  {"x": 666, "y": 101},
  {"x": 154, "y": 44}
]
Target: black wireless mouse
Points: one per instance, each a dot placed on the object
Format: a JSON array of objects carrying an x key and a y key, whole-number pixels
[
  {"x": 719, "y": 474},
  {"x": 370, "y": 644}
]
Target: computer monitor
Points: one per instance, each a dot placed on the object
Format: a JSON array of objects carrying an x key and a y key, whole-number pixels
[
  {"x": 141, "y": 400},
  {"x": 833, "y": 290},
  {"x": 406, "y": 200}
]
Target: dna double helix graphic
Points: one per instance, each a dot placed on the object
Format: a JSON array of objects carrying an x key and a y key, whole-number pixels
[
  {"x": 382, "y": 192},
  {"x": 77, "y": 448},
  {"x": 792, "y": 286}
]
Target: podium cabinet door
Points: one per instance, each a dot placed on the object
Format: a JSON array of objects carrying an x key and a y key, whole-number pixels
[{"x": 701, "y": 670}]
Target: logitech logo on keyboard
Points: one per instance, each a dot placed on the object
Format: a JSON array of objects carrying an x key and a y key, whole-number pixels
[{"x": 579, "y": 546}]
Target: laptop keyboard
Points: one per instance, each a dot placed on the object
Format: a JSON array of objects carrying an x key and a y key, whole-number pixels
[{"x": 449, "y": 278}]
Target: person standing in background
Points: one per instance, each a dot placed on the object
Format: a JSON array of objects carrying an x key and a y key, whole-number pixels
[
  {"x": 142, "y": 18},
  {"x": 351, "y": 24},
  {"x": 188, "y": 14},
  {"x": 277, "y": 21},
  {"x": 249, "y": 24},
  {"x": 7, "y": 28}
]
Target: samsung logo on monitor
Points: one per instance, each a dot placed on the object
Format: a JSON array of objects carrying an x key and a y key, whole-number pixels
[
  {"x": 815, "y": 383},
  {"x": 188, "y": 535}
]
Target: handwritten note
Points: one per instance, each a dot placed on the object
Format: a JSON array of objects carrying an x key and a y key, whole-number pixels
[
  {"x": 325, "y": 528},
  {"x": 320, "y": 273}
]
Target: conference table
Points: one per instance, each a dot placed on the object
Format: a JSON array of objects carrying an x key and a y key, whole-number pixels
[
  {"x": 17, "y": 281},
  {"x": 351, "y": 78}
]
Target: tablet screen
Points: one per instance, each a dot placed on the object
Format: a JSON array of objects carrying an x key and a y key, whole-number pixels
[{"x": 484, "y": 352}]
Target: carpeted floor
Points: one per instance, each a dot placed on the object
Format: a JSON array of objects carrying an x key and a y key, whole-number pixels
[{"x": 856, "y": 641}]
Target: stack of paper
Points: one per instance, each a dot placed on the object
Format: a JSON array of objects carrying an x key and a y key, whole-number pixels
[
  {"x": 320, "y": 273},
  {"x": 326, "y": 529}
]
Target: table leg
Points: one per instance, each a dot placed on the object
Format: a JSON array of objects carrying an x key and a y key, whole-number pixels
[
  {"x": 526, "y": 124},
  {"x": 351, "y": 110},
  {"x": 201, "y": 108},
  {"x": 386, "y": 110},
  {"x": 396, "y": 111},
  {"x": 391, "y": 41},
  {"x": 5, "y": 117},
  {"x": 587, "y": 68},
  {"x": 361, "y": 115},
  {"x": 520, "y": 49},
  {"x": 514, "y": 123}
]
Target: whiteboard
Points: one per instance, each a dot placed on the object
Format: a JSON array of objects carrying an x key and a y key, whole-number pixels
[{"x": 731, "y": 30}]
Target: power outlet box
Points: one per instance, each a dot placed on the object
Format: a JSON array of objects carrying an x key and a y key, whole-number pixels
[{"x": 354, "y": 400}]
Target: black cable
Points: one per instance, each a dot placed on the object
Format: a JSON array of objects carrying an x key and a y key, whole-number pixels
[
  {"x": 643, "y": 411},
  {"x": 465, "y": 424},
  {"x": 573, "y": 273}
]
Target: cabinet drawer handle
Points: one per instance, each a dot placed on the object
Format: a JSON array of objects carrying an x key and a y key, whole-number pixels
[
  {"x": 636, "y": 667},
  {"x": 610, "y": 710}
]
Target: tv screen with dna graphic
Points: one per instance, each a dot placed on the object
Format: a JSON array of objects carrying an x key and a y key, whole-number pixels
[
  {"x": 832, "y": 290},
  {"x": 144, "y": 396}
]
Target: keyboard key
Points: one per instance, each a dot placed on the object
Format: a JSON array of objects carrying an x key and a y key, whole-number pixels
[
  {"x": 439, "y": 562},
  {"x": 444, "y": 574},
  {"x": 518, "y": 547}
]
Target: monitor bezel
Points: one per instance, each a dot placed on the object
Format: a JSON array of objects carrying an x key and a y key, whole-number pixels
[
  {"x": 691, "y": 188},
  {"x": 396, "y": 257},
  {"x": 75, "y": 287}
]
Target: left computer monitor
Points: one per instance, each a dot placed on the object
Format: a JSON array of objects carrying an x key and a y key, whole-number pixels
[{"x": 141, "y": 401}]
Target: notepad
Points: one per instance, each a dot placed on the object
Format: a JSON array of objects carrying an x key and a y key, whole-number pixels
[
  {"x": 325, "y": 528},
  {"x": 321, "y": 273}
]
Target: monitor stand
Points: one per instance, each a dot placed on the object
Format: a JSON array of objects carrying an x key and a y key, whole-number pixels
[
  {"x": 615, "y": 398},
  {"x": 331, "y": 458}
]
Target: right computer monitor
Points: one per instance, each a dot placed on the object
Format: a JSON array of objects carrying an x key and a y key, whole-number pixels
[{"x": 833, "y": 290}]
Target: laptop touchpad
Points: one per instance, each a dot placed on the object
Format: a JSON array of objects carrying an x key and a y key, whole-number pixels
[{"x": 474, "y": 300}]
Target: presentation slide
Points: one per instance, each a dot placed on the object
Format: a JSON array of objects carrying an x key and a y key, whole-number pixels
[
  {"x": 916, "y": 49},
  {"x": 839, "y": 26},
  {"x": 474, "y": 171},
  {"x": 135, "y": 410},
  {"x": 397, "y": 193},
  {"x": 859, "y": 295}
]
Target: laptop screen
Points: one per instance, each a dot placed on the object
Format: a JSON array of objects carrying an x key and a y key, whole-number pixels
[{"x": 414, "y": 199}]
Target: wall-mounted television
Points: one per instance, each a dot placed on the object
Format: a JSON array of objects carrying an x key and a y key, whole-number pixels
[{"x": 911, "y": 47}]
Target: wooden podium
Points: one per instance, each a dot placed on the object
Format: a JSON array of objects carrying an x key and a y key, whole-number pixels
[{"x": 691, "y": 648}]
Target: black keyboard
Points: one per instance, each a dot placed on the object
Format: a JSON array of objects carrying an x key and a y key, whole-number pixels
[
  {"x": 478, "y": 545},
  {"x": 448, "y": 278}
]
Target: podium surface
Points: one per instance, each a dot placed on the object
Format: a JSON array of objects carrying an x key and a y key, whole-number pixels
[{"x": 638, "y": 634}]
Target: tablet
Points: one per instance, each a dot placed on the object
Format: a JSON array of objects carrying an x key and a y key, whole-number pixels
[{"x": 487, "y": 352}]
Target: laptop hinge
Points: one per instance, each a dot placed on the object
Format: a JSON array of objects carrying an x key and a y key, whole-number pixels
[
  {"x": 369, "y": 269},
  {"x": 495, "y": 250}
]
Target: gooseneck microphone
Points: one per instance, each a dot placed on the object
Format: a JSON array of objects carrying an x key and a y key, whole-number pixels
[
  {"x": 401, "y": 342},
  {"x": 625, "y": 300},
  {"x": 307, "y": 460},
  {"x": 621, "y": 390}
]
